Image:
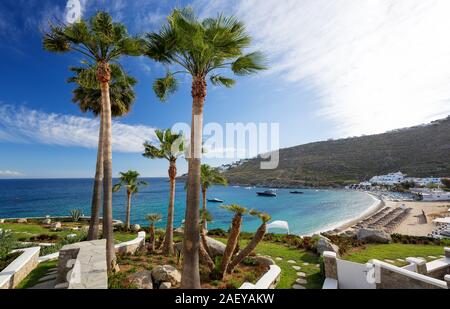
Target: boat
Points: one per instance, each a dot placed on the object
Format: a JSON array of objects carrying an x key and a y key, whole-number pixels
[
  {"x": 215, "y": 200},
  {"x": 296, "y": 192},
  {"x": 267, "y": 193}
]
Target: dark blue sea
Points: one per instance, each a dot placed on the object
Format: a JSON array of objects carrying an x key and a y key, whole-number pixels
[{"x": 315, "y": 210}]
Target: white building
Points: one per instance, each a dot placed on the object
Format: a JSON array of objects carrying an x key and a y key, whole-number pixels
[{"x": 389, "y": 179}]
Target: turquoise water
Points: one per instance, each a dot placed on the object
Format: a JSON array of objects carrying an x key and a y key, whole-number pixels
[{"x": 313, "y": 211}]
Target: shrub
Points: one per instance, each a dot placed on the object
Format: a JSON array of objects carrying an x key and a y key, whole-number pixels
[{"x": 7, "y": 243}]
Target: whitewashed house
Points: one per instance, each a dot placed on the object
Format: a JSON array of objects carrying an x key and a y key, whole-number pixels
[{"x": 389, "y": 179}]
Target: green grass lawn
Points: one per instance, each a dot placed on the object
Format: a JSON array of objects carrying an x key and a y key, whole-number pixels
[
  {"x": 37, "y": 273},
  {"x": 393, "y": 252},
  {"x": 289, "y": 274},
  {"x": 27, "y": 230}
]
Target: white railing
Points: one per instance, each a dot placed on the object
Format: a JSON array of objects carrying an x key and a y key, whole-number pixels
[{"x": 268, "y": 281}]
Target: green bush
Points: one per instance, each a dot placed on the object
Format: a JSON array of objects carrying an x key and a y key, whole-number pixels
[
  {"x": 65, "y": 241},
  {"x": 7, "y": 243}
]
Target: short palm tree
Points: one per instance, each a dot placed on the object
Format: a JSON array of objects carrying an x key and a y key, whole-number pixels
[
  {"x": 153, "y": 218},
  {"x": 100, "y": 42},
  {"x": 202, "y": 49},
  {"x": 257, "y": 238},
  {"x": 130, "y": 181},
  {"x": 233, "y": 238},
  {"x": 90, "y": 100},
  {"x": 171, "y": 147},
  {"x": 209, "y": 176}
]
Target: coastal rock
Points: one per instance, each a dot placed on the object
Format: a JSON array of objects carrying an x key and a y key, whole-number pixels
[
  {"x": 324, "y": 244},
  {"x": 2, "y": 221},
  {"x": 47, "y": 221},
  {"x": 166, "y": 273},
  {"x": 142, "y": 280},
  {"x": 216, "y": 248},
  {"x": 22, "y": 220},
  {"x": 56, "y": 226},
  {"x": 135, "y": 227},
  {"x": 373, "y": 236},
  {"x": 263, "y": 260},
  {"x": 165, "y": 286},
  {"x": 178, "y": 232}
]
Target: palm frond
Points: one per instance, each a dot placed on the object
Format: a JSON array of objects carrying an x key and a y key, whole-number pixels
[
  {"x": 218, "y": 80},
  {"x": 249, "y": 64},
  {"x": 165, "y": 86}
]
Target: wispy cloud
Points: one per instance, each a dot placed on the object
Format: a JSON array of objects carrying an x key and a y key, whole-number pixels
[
  {"x": 374, "y": 65},
  {"x": 10, "y": 174},
  {"x": 24, "y": 125}
]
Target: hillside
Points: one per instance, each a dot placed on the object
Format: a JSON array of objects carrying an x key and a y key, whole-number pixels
[{"x": 419, "y": 151}]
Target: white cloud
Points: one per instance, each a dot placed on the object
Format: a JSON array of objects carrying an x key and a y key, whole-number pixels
[
  {"x": 23, "y": 125},
  {"x": 10, "y": 174},
  {"x": 375, "y": 65}
]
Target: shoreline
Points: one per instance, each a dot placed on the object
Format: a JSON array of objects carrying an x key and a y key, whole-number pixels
[{"x": 342, "y": 226}]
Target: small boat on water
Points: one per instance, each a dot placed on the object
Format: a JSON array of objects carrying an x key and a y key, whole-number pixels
[
  {"x": 267, "y": 193},
  {"x": 215, "y": 200},
  {"x": 297, "y": 192}
]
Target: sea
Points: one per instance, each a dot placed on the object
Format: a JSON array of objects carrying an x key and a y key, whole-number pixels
[{"x": 308, "y": 213}]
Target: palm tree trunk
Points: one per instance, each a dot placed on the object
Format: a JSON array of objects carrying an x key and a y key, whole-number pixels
[
  {"x": 232, "y": 242},
  {"x": 204, "y": 223},
  {"x": 168, "y": 239},
  {"x": 104, "y": 76},
  {"x": 127, "y": 218},
  {"x": 152, "y": 237},
  {"x": 97, "y": 190},
  {"x": 191, "y": 273},
  {"x": 259, "y": 235}
]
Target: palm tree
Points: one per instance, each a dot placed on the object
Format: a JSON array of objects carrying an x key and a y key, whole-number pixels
[
  {"x": 202, "y": 49},
  {"x": 233, "y": 238},
  {"x": 100, "y": 41},
  {"x": 153, "y": 218},
  {"x": 130, "y": 181},
  {"x": 257, "y": 238},
  {"x": 171, "y": 146},
  {"x": 90, "y": 99},
  {"x": 209, "y": 177}
]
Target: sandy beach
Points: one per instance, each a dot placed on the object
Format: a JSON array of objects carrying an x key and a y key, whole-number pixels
[{"x": 414, "y": 224}]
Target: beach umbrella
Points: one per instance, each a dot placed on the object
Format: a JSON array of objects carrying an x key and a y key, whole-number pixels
[{"x": 279, "y": 225}]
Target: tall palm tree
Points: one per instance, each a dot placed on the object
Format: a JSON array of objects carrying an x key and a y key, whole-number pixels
[
  {"x": 99, "y": 41},
  {"x": 171, "y": 147},
  {"x": 233, "y": 238},
  {"x": 202, "y": 49},
  {"x": 153, "y": 218},
  {"x": 209, "y": 176},
  {"x": 257, "y": 238},
  {"x": 130, "y": 181},
  {"x": 90, "y": 99}
]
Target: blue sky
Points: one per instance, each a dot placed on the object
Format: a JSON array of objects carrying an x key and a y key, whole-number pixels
[{"x": 336, "y": 70}]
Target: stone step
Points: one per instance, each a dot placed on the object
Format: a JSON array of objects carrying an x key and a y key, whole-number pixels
[
  {"x": 47, "y": 278},
  {"x": 298, "y": 287},
  {"x": 47, "y": 285},
  {"x": 292, "y": 262},
  {"x": 296, "y": 267},
  {"x": 301, "y": 281},
  {"x": 301, "y": 275}
]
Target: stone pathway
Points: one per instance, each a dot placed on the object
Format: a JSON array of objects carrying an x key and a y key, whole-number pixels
[
  {"x": 305, "y": 264},
  {"x": 292, "y": 262},
  {"x": 300, "y": 281},
  {"x": 278, "y": 259},
  {"x": 432, "y": 257},
  {"x": 47, "y": 282},
  {"x": 296, "y": 267}
]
